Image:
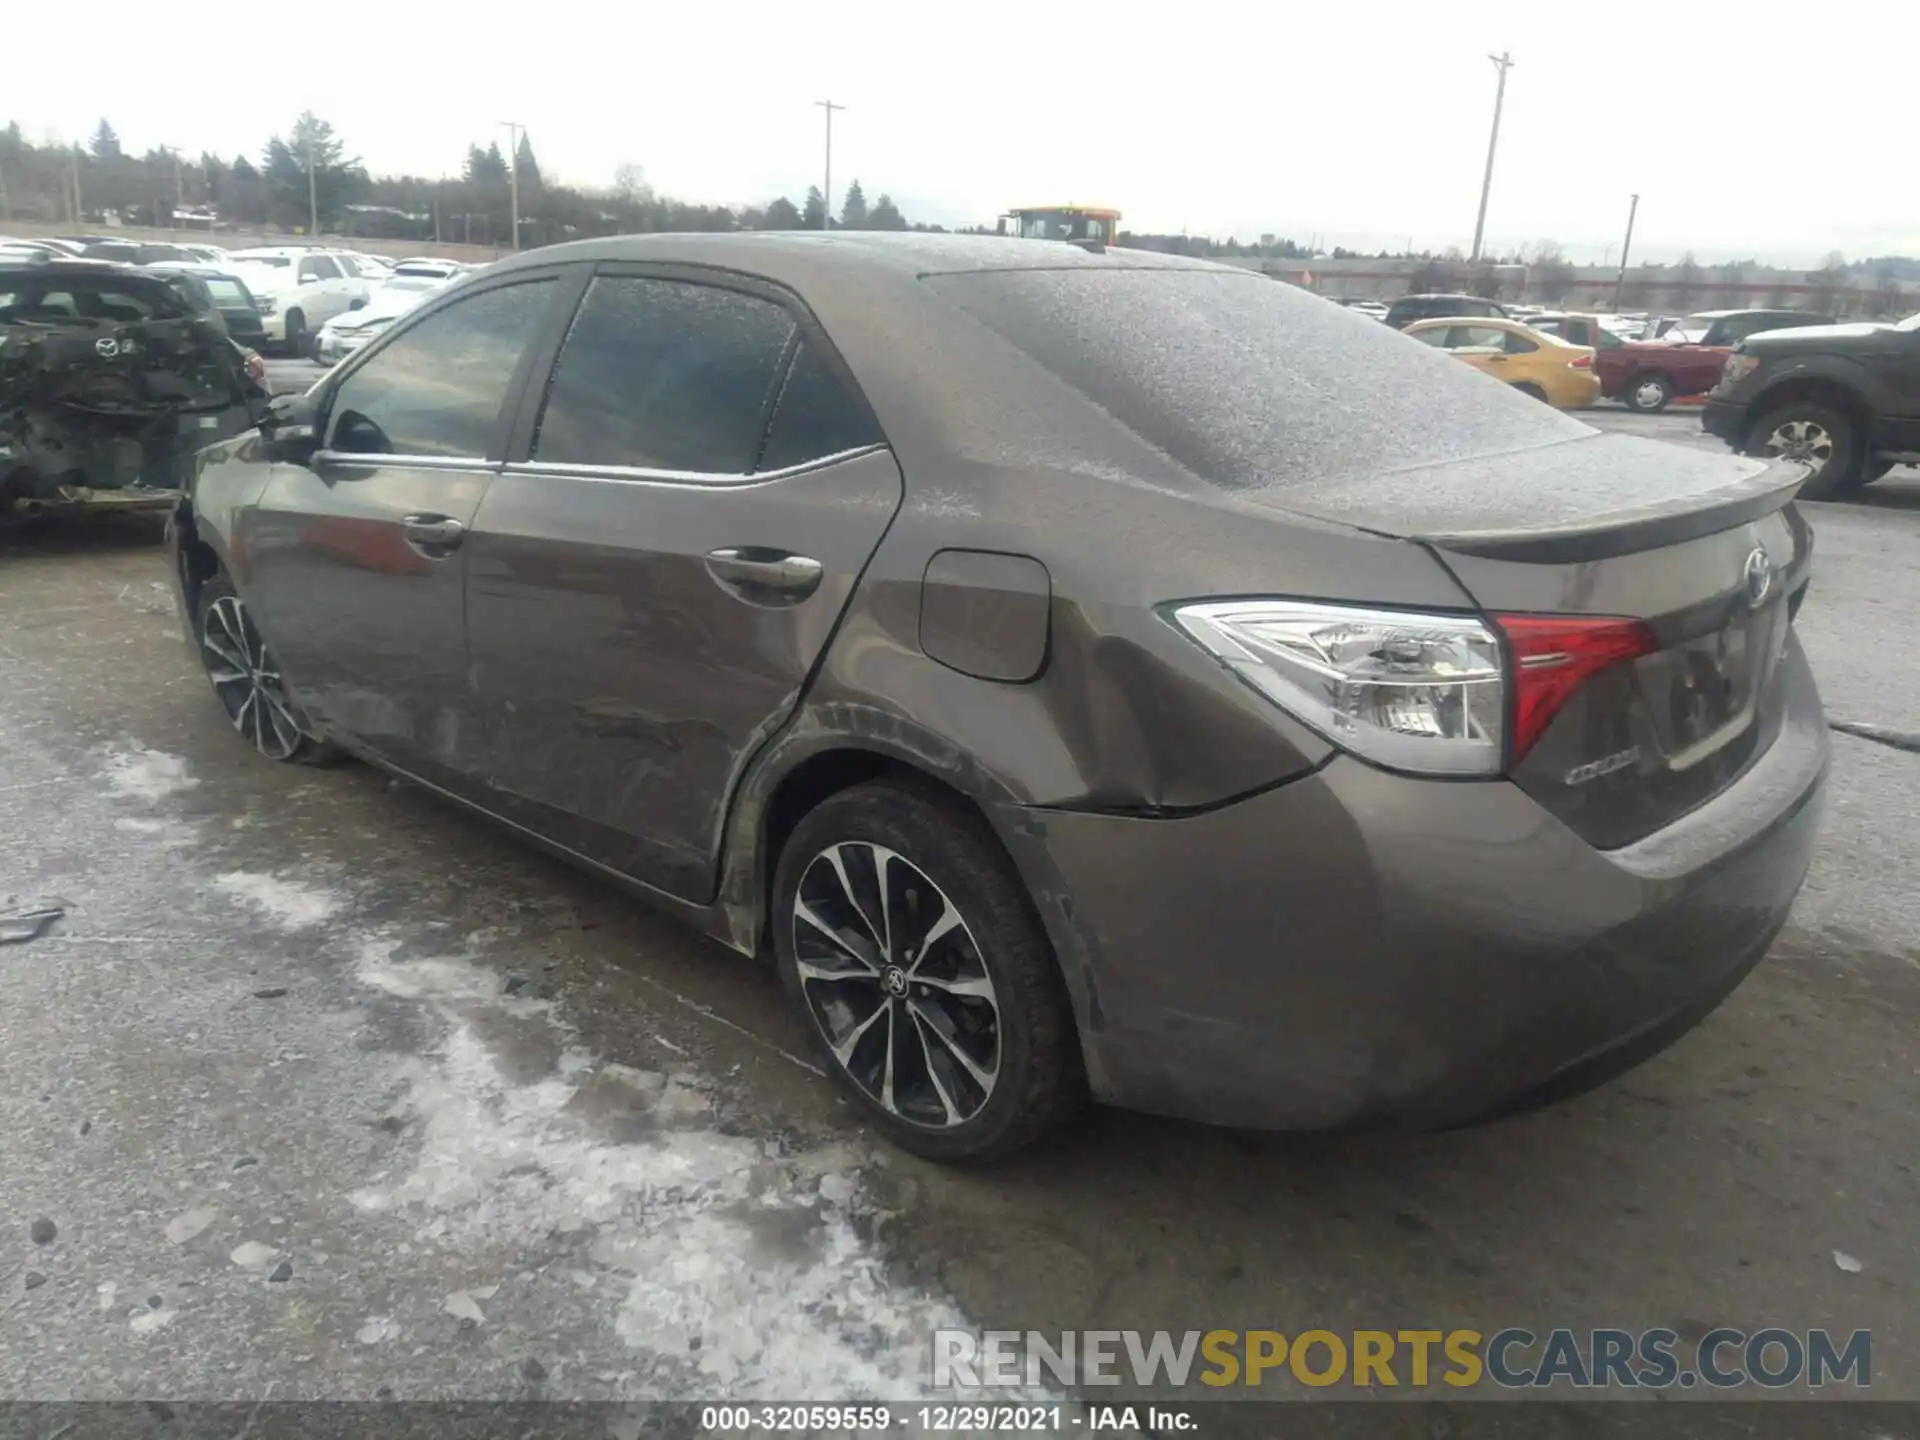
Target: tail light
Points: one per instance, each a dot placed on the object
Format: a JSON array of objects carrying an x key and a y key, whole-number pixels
[
  {"x": 1581, "y": 362},
  {"x": 1553, "y": 655},
  {"x": 1428, "y": 694}
]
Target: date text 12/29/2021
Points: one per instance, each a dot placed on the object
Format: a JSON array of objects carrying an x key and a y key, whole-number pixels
[{"x": 941, "y": 1419}]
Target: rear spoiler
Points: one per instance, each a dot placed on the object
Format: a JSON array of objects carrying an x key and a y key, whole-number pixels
[{"x": 1770, "y": 486}]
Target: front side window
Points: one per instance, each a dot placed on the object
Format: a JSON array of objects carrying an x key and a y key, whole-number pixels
[
  {"x": 664, "y": 375},
  {"x": 437, "y": 389}
]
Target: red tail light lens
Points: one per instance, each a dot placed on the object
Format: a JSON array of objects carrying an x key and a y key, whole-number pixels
[
  {"x": 1553, "y": 655},
  {"x": 1581, "y": 362}
]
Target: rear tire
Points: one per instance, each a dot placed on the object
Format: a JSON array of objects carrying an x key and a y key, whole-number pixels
[
  {"x": 1648, "y": 394},
  {"x": 1816, "y": 435},
  {"x": 1534, "y": 391},
  {"x": 939, "y": 1008},
  {"x": 1875, "y": 469},
  {"x": 246, "y": 680},
  {"x": 296, "y": 332}
]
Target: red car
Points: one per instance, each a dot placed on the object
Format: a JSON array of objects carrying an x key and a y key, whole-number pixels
[{"x": 1648, "y": 374}]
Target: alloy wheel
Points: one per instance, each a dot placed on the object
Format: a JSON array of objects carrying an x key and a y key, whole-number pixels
[
  {"x": 247, "y": 680},
  {"x": 1804, "y": 440},
  {"x": 891, "y": 974}
]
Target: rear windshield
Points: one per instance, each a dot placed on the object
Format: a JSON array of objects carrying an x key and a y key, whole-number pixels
[{"x": 1247, "y": 381}]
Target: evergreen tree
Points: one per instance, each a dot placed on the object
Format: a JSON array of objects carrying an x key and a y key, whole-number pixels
[{"x": 853, "y": 213}]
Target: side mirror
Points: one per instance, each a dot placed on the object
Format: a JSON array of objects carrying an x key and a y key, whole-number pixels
[{"x": 291, "y": 427}]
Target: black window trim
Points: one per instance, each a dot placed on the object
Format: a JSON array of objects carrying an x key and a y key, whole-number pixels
[
  {"x": 570, "y": 281},
  {"x": 808, "y": 331}
]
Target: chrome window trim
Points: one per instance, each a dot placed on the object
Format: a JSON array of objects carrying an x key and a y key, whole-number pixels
[{"x": 631, "y": 474}]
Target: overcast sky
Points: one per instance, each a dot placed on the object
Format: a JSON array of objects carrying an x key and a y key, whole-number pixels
[{"x": 1359, "y": 124}]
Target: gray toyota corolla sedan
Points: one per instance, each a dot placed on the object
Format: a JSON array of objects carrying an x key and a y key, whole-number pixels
[{"x": 1085, "y": 673}]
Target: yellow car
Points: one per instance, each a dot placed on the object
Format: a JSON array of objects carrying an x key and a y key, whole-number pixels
[{"x": 1544, "y": 366}]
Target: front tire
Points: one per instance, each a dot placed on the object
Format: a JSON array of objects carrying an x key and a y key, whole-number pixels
[
  {"x": 917, "y": 961},
  {"x": 1648, "y": 394},
  {"x": 246, "y": 680},
  {"x": 1814, "y": 435}
]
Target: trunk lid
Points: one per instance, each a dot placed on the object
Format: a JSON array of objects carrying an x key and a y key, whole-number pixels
[{"x": 1704, "y": 549}]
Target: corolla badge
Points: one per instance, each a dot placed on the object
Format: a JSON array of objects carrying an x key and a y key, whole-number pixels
[{"x": 1759, "y": 578}]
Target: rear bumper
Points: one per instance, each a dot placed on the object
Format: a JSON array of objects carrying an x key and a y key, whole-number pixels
[
  {"x": 1725, "y": 420},
  {"x": 1362, "y": 948}
]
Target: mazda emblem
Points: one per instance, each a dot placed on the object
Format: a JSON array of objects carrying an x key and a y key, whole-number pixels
[
  {"x": 1759, "y": 578},
  {"x": 106, "y": 347}
]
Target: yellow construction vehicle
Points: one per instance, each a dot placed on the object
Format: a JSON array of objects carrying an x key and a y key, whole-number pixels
[{"x": 1081, "y": 224}]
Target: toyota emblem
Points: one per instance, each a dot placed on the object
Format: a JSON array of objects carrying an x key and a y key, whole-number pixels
[
  {"x": 1759, "y": 578},
  {"x": 106, "y": 347}
]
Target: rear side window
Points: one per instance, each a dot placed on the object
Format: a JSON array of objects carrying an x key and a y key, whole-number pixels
[
  {"x": 1518, "y": 344},
  {"x": 815, "y": 416},
  {"x": 1246, "y": 382},
  {"x": 437, "y": 388},
  {"x": 664, "y": 375}
]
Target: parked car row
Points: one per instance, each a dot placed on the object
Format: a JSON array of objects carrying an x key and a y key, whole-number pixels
[{"x": 296, "y": 289}]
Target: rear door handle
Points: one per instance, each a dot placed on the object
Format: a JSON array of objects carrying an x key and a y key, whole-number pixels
[
  {"x": 761, "y": 576},
  {"x": 431, "y": 533}
]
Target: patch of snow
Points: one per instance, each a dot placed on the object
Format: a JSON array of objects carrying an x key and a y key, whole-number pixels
[
  {"x": 146, "y": 1322},
  {"x": 253, "y": 1255},
  {"x": 183, "y": 1228},
  {"x": 143, "y": 774},
  {"x": 377, "y": 1331},
  {"x": 762, "y": 1255},
  {"x": 105, "y": 1290},
  {"x": 461, "y": 1306},
  {"x": 289, "y": 904},
  {"x": 1847, "y": 1263}
]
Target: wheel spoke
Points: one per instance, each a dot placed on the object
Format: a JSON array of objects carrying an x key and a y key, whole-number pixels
[
  {"x": 886, "y": 1074},
  {"x": 245, "y": 710},
  {"x": 226, "y": 655},
  {"x": 843, "y": 1049},
  {"x": 951, "y": 1110},
  {"x": 967, "y": 987},
  {"x": 285, "y": 728},
  {"x": 810, "y": 971},
  {"x": 226, "y": 677},
  {"x": 259, "y": 722},
  {"x": 943, "y": 924},
  {"x": 837, "y": 861},
  {"x": 802, "y": 912},
  {"x": 982, "y": 1078}
]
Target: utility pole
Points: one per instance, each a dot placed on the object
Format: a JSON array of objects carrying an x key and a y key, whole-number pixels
[
  {"x": 1502, "y": 62},
  {"x": 1620, "y": 285},
  {"x": 826, "y": 220},
  {"x": 436, "y": 214},
  {"x": 313, "y": 193},
  {"x": 73, "y": 173},
  {"x": 514, "y": 129}
]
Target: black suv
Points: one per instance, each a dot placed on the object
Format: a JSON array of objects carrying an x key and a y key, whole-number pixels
[
  {"x": 1409, "y": 308},
  {"x": 1843, "y": 399}
]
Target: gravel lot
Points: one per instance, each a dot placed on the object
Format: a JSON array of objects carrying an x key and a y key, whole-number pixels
[{"x": 328, "y": 1091}]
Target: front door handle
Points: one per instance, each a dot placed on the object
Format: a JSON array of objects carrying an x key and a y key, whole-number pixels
[
  {"x": 761, "y": 576},
  {"x": 435, "y": 536}
]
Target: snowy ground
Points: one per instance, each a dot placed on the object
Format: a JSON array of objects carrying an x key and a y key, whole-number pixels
[{"x": 330, "y": 1092}]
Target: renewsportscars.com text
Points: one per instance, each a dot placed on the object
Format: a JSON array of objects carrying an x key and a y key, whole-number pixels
[{"x": 1512, "y": 1359}]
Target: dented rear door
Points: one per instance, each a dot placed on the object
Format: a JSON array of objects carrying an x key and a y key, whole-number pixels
[{"x": 654, "y": 576}]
